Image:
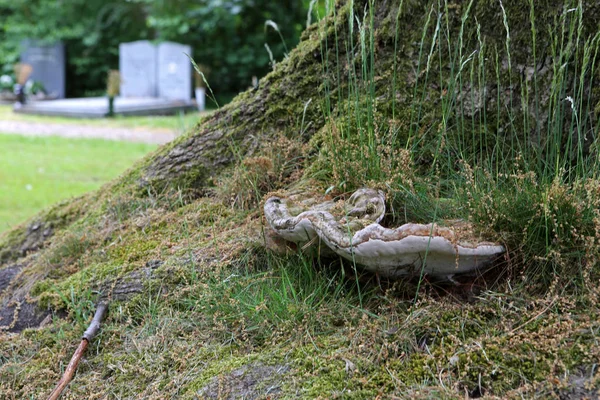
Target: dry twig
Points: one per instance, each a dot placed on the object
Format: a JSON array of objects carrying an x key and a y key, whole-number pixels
[{"x": 87, "y": 337}]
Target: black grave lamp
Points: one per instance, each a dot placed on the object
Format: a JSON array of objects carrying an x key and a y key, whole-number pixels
[{"x": 19, "y": 91}]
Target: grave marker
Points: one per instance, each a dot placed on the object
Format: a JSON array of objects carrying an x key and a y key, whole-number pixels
[
  {"x": 48, "y": 62},
  {"x": 174, "y": 71},
  {"x": 137, "y": 65}
]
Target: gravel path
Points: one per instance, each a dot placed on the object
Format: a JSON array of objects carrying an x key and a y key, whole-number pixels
[{"x": 143, "y": 135}]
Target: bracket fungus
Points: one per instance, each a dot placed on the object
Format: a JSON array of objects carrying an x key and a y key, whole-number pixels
[{"x": 351, "y": 229}]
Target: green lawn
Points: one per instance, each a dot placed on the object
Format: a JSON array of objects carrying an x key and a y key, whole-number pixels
[
  {"x": 179, "y": 123},
  {"x": 36, "y": 172}
]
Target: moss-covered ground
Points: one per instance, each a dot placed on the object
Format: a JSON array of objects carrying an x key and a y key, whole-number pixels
[{"x": 218, "y": 300}]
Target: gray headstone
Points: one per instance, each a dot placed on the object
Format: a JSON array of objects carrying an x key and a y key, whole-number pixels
[
  {"x": 137, "y": 65},
  {"x": 174, "y": 71},
  {"x": 48, "y": 62}
]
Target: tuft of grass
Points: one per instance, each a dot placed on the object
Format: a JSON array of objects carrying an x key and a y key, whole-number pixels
[
  {"x": 80, "y": 306},
  {"x": 279, "y": 163},
  {"x": 268, "y": 296}
]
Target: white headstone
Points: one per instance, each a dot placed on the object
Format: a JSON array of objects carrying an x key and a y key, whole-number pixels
[
  {"x": 174, "y": 71},
  {"x": 48, "y": 62},
  {"x": 137, "y": 65}
]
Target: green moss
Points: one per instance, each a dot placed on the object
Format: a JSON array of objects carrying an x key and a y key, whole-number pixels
[
  {"x": 222, "y": 361},
  {"x": 33, "y": 234},
  {"x": 10, "y": 243},
  {"x": 194, "y": 178},
  {"x": 134, "y": 250}
]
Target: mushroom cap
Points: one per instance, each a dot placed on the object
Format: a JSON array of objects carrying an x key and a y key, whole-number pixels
[{"x": 355, "y": 234}]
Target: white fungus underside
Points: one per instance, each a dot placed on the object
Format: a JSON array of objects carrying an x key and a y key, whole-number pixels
[{"x": 388, "y": 252}]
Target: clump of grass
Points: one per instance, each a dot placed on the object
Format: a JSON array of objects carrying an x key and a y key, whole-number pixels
[
  {"x": 276, "y": 164},
  {"x": 80, "y": 306},
  {"x": 350, "y": 163},
  {"x": 268, "y": 297},
  {"x": 249, "y": 180}
]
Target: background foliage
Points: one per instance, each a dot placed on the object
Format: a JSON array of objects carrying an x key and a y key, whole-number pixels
[{"x": 227, "y": 36}]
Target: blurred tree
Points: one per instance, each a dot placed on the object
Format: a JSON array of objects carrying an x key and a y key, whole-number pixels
[
  {"x": 227, "y": 36},
  {"x": 9, "y": 51},
  {"x": 90, "y": 29}
]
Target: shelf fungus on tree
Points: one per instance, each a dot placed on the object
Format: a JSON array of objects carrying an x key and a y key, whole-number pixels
[{"x": 352, "y": 230}]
